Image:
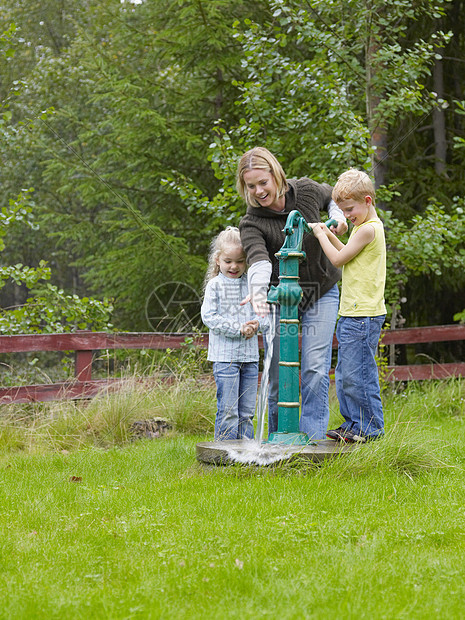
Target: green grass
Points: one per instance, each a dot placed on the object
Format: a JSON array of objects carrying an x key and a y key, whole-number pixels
[{"x": 142, "y": 530}]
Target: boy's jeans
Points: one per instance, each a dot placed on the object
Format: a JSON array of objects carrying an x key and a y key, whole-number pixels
[
  {"x": 357, "y": 381},
  {"x": 317, "y": 326},
  {"x": 236, "y": 392}
]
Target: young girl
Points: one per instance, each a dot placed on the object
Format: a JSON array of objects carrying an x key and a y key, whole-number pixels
[{"x": 233, "y": 341}]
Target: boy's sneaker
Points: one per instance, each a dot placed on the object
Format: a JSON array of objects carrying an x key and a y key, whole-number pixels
[
  {"x": 351, "y": 437},
  {"x": 345, "y": 435},
  {"x": 338, "y": 434}
]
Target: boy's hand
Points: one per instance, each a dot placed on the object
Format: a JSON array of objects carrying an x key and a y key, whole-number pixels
[
  {"x": 249, "y": 329},
  {"x": 319, "y": 229}
]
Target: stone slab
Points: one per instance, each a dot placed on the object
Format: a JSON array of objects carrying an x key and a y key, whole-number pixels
[{"x": 250, "y": 452}]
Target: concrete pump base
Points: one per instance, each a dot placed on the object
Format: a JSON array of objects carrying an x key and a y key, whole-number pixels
[{"x": 249, "y": 452}]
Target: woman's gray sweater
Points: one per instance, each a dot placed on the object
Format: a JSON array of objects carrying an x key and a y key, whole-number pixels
[{"x": 262, "y": 236}]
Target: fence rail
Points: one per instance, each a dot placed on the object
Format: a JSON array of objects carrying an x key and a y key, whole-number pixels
[{"x": 84, "y": 344}]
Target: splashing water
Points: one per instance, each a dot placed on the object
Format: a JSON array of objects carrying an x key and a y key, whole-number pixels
[{"x": 252, "y": 453}]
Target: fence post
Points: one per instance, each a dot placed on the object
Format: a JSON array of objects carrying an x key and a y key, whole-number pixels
[
  {"x": 392, "y": 347},
  {"x": 83, "y": 361},
  {"x": 83, "y": 365}
]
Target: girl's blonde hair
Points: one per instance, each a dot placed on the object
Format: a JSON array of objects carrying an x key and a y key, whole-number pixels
[
  {"x": 353, "y": 184},
  {"x": 259, "y": 158},
  {"x": 229, "y": 236}
]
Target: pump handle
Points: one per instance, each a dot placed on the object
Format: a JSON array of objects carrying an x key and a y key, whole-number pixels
[{"x": 330, "y": 223}]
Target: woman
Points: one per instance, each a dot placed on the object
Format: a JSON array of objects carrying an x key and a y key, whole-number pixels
[{"x": 270, "y": 197}]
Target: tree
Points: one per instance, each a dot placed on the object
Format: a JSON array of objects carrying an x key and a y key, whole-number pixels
[
  {"x": 50, "y": 309},
  {"x": 128, "y": 121},
  {"x": 127, "y": 115}
]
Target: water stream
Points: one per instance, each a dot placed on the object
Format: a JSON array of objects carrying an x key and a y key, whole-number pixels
[{"x": 262, "y": 397}]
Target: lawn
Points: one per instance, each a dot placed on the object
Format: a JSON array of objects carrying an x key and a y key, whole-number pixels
[{"x": 142, "y": 530}]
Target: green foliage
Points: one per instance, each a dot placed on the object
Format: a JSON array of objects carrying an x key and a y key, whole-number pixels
[
  {"x": 17, "y": 210},
  {"x": 131, "y": 116},
  {"x": 307, "y": 75},
  {"x": 188, "y": 362},
  {"x": 51, "y": 310},
  {"x": 431, "y": 244},
  {"x": 128, "y": 120}
]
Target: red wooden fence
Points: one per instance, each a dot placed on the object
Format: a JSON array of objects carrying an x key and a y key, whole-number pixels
[{"x": 86, "y": 343}]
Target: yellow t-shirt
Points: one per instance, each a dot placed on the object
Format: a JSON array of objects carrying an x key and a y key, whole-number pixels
[{"x": 364, "y": 277}]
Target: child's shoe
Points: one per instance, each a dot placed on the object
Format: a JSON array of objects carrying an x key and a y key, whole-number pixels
[
  {"x": 338, "y": 434},
  {"x": 354, "y": 437},
  {"x": 345, "y": 435}
]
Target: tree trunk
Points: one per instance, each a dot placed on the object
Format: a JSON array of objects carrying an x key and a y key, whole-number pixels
[
  {"x": 378, "y": 129},
  {"x": 439, "y": 120}
]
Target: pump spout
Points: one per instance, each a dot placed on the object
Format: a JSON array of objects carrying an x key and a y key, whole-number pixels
[{"x": 287, "y": 292}]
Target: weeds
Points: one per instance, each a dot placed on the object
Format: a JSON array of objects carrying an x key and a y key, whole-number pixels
[
  {"x": 106, "y": 419},
  {"x": 189, "y": 405}
]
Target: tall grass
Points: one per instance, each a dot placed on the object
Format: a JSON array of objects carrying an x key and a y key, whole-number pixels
[
  {"x": 189, "y": 406},
  {"x": 414, "y": 442}
]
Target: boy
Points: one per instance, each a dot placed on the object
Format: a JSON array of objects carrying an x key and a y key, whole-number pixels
[{"x": 362, "y": 310}]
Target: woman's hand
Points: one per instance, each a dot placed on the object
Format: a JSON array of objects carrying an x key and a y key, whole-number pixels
[
  {"x": 340, "y": 229},
  {"x": 259, "y": 305}
]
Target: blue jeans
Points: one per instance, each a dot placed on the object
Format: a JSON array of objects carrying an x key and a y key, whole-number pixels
[
  {"x": 317, "y": 325},
  {"x": 236, "y": 393},
  {"x": 357, "y": 380}
]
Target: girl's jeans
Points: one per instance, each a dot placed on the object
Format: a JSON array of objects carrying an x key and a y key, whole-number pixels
[
  {"x": 357, "y": 381},
  {"x": 317, "y": 325},
  {"x": 236, "y": 393}
]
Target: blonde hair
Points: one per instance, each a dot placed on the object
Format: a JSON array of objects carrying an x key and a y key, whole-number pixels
[
  {"x": 229, "y": 236},
  {"x": 353, "y": 184},
  {"x": 259, "y": 158}
]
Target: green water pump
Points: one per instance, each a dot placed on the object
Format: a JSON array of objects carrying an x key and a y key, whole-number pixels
[{"x": 288, "y": 295}]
